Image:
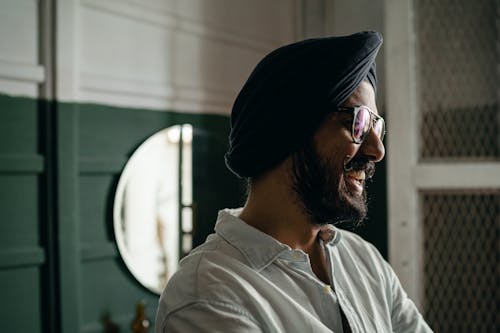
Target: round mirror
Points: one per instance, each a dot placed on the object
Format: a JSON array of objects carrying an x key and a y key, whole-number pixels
[{"x": 153, "y": 207}]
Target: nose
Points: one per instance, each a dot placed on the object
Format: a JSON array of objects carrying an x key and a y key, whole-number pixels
[{"x": 372, "y": 147}]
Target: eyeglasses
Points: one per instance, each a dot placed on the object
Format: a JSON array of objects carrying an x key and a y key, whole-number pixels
[{"x": 363, "y": 121}]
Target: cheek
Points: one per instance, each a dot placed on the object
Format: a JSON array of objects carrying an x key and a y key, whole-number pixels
[
  {"x": 333, "y": 159},
  {"x": 338, "y": 148},
  {"x": 343, "y": 152},
  {"x": 352, "y": 150},
  {"x": 333, "y": 170}
]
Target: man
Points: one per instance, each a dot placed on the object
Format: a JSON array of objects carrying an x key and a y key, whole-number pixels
[{"x": 306, "y": 133}]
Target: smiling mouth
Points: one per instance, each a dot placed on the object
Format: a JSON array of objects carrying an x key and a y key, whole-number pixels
[
  {"x": 358, "y": 175},
  {"x": 355, "y": 179}
]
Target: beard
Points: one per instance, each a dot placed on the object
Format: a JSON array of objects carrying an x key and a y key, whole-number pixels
[{"x": 320, "y": 187}]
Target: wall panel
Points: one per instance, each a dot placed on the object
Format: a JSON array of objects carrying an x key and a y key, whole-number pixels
[
  {"x": 20, "y": 71},
  {"x": 21, "y": 16},
  {"x": 22, "y": 252},
  {"x": 95, "y": 213},
  {"x": 113, "y": 133},
  {"x": 188, "y": 56},
  {"x": 19, "y": 126},
  {"x": 21, "y": 300},
  {"x": 259, "y": 24},
  {"x": 18, "y": 211},
  {"x": 123, "y": 47}
]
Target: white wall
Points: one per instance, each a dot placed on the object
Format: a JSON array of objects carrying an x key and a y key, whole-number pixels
[
  {"x": 183, "y": 55},
  {"x": 20, "y": 72}
]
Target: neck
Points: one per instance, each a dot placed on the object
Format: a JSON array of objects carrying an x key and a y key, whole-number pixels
[{"x": 273, "y": 208}]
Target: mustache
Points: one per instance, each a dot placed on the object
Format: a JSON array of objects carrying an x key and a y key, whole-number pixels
[{"x": 358, "y": 164}]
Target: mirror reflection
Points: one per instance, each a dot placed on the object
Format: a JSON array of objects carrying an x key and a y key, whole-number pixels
[{"x": 153, "y": 218}]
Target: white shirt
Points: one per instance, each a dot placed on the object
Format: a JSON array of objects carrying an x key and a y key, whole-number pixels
[{"x": 243, "y": 280}]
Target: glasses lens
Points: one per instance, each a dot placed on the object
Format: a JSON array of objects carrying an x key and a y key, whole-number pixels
[
  {"x": 379, "y": 129},
  {"x": 361, "y": 124}
]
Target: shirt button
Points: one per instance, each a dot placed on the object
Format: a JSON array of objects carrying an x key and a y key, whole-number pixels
[
  {"x": 327, "y": 289},
  {"x": 296, "y": 255}
]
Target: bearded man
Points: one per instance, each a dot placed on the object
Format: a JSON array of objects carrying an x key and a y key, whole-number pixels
[{"x": 306, "y": 133}]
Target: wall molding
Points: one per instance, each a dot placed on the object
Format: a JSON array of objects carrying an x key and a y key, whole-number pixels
[
  {"x": 125, "y": 86},
  {"x": 22, "y": 163},
  {"x": 22, "y": 72},
  {"x": 98, "y": 251},
  {"x": 132, "y": 92},
  {"x": 30, "y": 256},
  {"x": 92, "y": 165},
  {"x": 484, "y": 175},
  {"x": 165, "y": 18}
]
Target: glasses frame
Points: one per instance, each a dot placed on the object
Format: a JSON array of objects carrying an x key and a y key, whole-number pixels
[{"x": 373, "y": 119}]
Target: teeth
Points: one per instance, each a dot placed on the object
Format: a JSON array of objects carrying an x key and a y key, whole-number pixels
[{"x": 358, "y": 175}]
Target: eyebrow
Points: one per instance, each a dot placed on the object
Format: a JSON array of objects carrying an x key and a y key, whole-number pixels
[
  {"x": 342, "y": 115},
  {"x": 380, "y": 114}
]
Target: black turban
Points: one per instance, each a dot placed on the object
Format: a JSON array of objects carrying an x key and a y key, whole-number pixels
[{"x": 290, "y": 92}]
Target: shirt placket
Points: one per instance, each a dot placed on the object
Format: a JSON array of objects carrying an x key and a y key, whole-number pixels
[
  {"x": 331, "y": 304},
  {"x": 343, "y": 302},
  {"x": 325, "y": 293}
]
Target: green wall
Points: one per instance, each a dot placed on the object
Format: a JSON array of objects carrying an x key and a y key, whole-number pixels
[
  {"x": 60, "y": 270},
  {"x": 22, "y": 250}
]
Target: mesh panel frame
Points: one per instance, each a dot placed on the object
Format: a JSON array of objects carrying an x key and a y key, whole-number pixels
[
  {"x": 458, "y": 85},
  {"x": 461, "y": 273}
]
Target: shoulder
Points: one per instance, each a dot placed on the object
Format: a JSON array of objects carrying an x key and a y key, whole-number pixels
[
  {"x": 212, "y": 272},
  {"x": 206, "y": 286},
  {"x": 355, "y": 242},
  {"x": 361, "y": 252}
]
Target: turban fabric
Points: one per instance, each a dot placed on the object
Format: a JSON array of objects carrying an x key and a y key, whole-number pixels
[{"x": 290, "y": 92}]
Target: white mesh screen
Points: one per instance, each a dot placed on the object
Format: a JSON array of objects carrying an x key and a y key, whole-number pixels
[
  {"x": 458, "y": 56},
  {"x": 461, "y": 273}
]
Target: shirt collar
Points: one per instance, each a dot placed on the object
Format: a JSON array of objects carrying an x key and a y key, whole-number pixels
[
  {"x": 257, "y": 247},
  {"x": 329, "y": 234}
]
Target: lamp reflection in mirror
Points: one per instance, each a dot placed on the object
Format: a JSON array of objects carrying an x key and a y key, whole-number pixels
[{"x": 153, "y": 206}]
